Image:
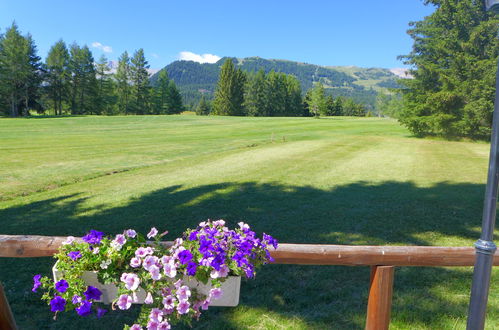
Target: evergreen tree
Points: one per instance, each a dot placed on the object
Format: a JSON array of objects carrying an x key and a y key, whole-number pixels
[
  {"x": 294, "y": 106},
  {"x": 84, "y": 87},
  {"x": 351, "y": 108},
  {"x": 161, "y": 93},
  {"x": 174, "y": 99},
  {"x": 20, "y": 71},
  {"x": 122, "y": 77},
  {"x": 229, "y": 95},
  {"x": 318, "y": 100},
  {"x": 454, "y": 58},
  {"x": 255, "y": 96},
  {"x": 276, "y": 94},
  {"x": 105, "y": 91},
  {"x": 203, "y": 108},
  {"x": 140, "y": 82},
  {"x": 57, "y": 75}
]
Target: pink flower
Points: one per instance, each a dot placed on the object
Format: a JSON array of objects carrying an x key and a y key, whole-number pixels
[
  {"x": 154, "y": 271},
  {"x": 164, "y": 326},
  {"x": 135, "y": 327},
  {"x": 152, "y": 233},
  {"x": 135, "y": 262},
  {"x": 149, "y": 250},
  {"x": 130, "y": 233},
  {"x": 220, "y": 223},
  {"x": 124, "y": 302},
  {"x": 178, "y": 284},
  {"x": 120, "y": 239},
  {"x": 141, "y": 252},
  {"x": 69, "y": 240},
  {"x": 215, "y": 293},
  {"x": 152, "y": 325},
  {"x": 131, "y": 281},
  {"x": 148, "y": 299},
  {"x": 223, "y": 272},
  {"x": 205, "y": 304},
  {"x": 183, "y": 293},
  {"x": 156, "y": 315},
  {"x": 170, "y": 270},
  {"x": 183, "y": 307},
  {"x": 165, "y": 260},
  {"x": 150, "y": 261},
  {"x": 203, "y": 224},
  {"x": 169, "y": 302}
]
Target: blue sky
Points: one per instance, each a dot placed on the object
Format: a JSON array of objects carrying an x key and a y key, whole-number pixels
[{"x": 365, "y": 33}]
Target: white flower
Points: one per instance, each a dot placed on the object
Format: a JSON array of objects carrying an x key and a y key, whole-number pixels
[
  {"x": 69, "y": 240},
  {"x": 105, "y": 264},
  {"x": 152, "y": 233}
]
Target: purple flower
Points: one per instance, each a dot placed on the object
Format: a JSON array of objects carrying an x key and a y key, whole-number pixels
[
  {"x": 93, "y": 237},
  {"x": 130, "y": 233},
  {"x": 185, "y": 256},
  {"x": 135, "y": 262},
  {"x": 183, "y": 293},
  {"x": 156, "y": 315},
  {"x": 191, "y": 268},
  {"x": 61, "y": 286},
  {"x": 272, "y": 241},
  {"x": 124, "y": 302},
  {"x": 136, "y": 327},
  {"x": 76, "y": 299},
  {"x": 215, "y": 293},
  {"x": 183, "y": 307},
  {"x": 92, "y": 293},
  {"x": 57, "y": 304},
  {"x": 152, "y": 233},
  {"x": 36, "y": 282},
  {"x": 148, "y": 299},
  {"x": 193, "y": 236},
  {"x": 101, "y": 312},
  {"x": 85, "y": 308},
  {"x": 131, "y": 281},
  {"x": 74, "y": 255}
]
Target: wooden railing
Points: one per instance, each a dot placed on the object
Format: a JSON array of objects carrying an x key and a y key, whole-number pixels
[{"x": 382, "y": 260}]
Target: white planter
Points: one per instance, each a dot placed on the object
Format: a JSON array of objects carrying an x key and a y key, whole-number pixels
[{"x": 230, "y": 288}]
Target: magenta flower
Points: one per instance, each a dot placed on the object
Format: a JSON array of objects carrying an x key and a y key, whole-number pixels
[
  {"x": 85, "y": 308},
  {"x": 164, "y": 326},
  {"x": 152, "y": 233},
  {"x": 152, "y": 325},
  {"x": 169, "y": 302},
  {"x": 183, "y": 307},
  {"x": 36, "y": 282},
  {"x": 124, "y": 302},
  {"x": 61, "y": 286},
  {"x": 74, "y": 255},
  {"x": 135, "y": 327},
  {"x": 57, "y": 304}
]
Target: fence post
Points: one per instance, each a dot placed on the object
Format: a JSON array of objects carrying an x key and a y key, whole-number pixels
[
  {"x": 380, "y": 298},
  {"x": 6, "y": 318}
]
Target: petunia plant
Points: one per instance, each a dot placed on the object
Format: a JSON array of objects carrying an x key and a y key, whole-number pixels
[{"x": 150, "y": 273}]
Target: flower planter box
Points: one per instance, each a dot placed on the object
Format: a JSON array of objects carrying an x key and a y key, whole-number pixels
[{"x": 230, "y": 288}]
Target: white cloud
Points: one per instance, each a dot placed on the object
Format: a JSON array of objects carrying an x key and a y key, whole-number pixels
[
  {"x": 200, "y": 58},
  {"x": 105, "y": 49}
]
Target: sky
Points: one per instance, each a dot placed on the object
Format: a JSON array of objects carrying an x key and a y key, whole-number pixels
[{"x": 363, "y": 33}]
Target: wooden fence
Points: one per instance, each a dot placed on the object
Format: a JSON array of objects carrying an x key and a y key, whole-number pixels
[{"x": 382, "y": 259}]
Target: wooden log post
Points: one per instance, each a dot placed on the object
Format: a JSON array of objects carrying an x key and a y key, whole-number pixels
[
  {"x": 7, "y": 321},
  {"x": 379, "y": 304}
]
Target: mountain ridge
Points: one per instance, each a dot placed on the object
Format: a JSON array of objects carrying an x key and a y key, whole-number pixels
[{"x": 361, "y": 84}]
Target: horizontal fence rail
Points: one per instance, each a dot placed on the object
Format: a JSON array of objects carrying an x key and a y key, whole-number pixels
[{"x": 27, "y": 246}]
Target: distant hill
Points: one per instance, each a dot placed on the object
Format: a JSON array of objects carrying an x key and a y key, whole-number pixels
[{"x": 362, "y": 84}]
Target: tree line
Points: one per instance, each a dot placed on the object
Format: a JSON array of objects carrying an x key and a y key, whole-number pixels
[
  {"x": 70, "y": 81},
  {"x": 273, "y": 94}
]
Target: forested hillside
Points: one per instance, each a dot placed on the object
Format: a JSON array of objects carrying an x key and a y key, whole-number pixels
[{"x": 361, "y": 84}]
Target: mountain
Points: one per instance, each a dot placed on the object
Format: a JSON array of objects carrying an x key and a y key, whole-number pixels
[{"x": 362, "y": 84}]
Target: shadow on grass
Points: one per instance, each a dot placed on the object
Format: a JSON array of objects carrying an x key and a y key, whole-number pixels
[{"x": 282, "y": 295}]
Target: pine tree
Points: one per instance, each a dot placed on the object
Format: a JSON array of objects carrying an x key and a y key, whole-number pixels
[
  {"x": 294, "y": 105},
  {"x": 57, "y": 75},
  {"x": 123, "y": 77},
  {"x": 20, "y": 71},
  {"x": 140, "y": 82},
  {"x": 229, "y": 95},
  {"x": 276, "y": 94},
  {"x": 174, "y": 99},
  {"x": 83, "y": 86},
  {"x": 203, "y": 108},
  {"x": 161, "y": 93},
  {"x": 255, "y": 95},
  {"x": 105, "y": 91},
  {"x": 454, "y": 60}
]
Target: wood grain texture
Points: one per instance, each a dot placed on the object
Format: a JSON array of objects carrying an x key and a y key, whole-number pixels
[
  {"x": 7, "y": 321},
  {"x": 24, "y": 246},
  {"x": 379, "y": 304}
]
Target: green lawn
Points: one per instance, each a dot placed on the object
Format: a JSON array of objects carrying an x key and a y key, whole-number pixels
[{"x": 328, "y": 181}]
